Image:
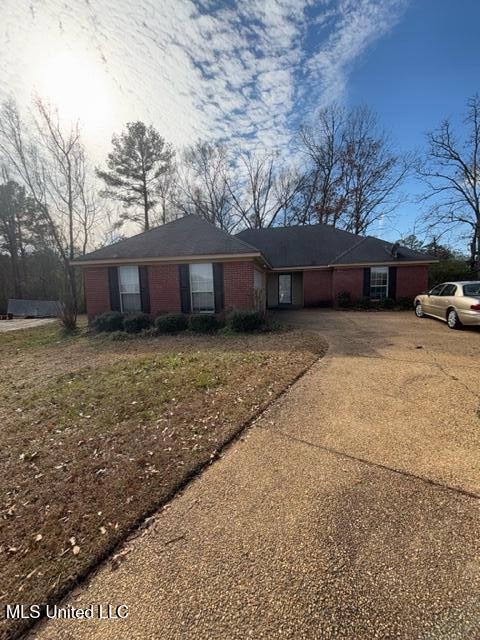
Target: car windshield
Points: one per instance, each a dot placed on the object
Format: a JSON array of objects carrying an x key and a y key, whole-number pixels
[{"x": 472, "y": 289}]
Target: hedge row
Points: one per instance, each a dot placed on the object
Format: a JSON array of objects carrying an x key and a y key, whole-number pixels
[
  {"x": 345, "y": 302},
  {"x": 239, "y": 321}
]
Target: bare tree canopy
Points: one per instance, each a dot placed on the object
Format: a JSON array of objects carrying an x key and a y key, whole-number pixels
[
  {"x": 139, "y": 160},
  {"x": 262, "y": 189},
  {"x": 322, "y": 144},
  {"x": 451, "y": 173},
  {"x": 204, "y": 184},
  {"x": 353, "y": 175},
  {"x": 49, "y": 161}
]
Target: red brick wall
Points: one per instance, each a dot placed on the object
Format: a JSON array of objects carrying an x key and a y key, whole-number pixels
[
  {"x": 164, "y": 282},
  {"x": 238, "y": 284},
  {"x": 347, "y": 280},
  {"x": 411, "y": 280},
  {"x": 317, "y": 287},
  {"x": 97, "y": 293}
]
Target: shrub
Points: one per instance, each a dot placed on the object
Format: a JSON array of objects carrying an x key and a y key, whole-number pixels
[
  {"x": 387, "y": 304},
  {"x": 203, "y": 323},
  {"x": 136, "y": 322},
  {"x": 108, "y": 322},
  {"x": 364, "y": 303},
  {"x": 246, "y": 321},
  {"x": 171, "y": 323},
  {"x": 405, "y": 303},
  {"x": 344, "y": 299}
]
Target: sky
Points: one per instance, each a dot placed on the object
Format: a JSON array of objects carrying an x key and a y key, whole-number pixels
[{"x": 248, "y": 71}]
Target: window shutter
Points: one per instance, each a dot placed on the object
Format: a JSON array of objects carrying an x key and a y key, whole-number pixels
[
  {"x": 144, "y": 289},
  {"x": 392, "y": 283},
  {"x": 114, "y": 288},
  {"x": 218, "y": 285},
  {"x": 366, "y": 282},
  {"x": 184, "y": 272}
]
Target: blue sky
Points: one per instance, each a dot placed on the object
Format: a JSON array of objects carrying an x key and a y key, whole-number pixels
[
  {"x": 247, "y": 71},
  {"x": 423, "y": 71}
]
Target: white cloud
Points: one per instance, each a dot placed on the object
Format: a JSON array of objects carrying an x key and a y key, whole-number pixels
[{"x": 194, "y": 69}]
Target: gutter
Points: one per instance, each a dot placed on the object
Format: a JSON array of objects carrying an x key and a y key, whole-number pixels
[{"x": 170, "y": 259}]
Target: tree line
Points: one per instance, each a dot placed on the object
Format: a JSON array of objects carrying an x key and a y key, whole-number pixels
[{"x": 342, "y": 170}]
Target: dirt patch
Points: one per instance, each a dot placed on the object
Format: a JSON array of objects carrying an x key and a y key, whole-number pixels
[{"x": 96, "y": 434}]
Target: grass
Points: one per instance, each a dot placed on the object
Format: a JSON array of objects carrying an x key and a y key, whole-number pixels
[{"x": 96, "y": 434}]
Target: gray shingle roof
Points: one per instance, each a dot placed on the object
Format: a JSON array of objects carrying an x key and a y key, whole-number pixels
[
  {"x": 187, "y": 236},
  {"x": 322, "y": 245}
]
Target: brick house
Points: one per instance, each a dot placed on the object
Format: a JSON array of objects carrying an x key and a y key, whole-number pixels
[{"x": 190, "y": 266}]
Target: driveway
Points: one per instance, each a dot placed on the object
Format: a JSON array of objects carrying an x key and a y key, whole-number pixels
[
  {"x": 349, "y": 510},
  {"x": 24, "y": 323}
]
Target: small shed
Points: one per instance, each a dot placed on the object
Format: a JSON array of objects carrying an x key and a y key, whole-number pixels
[{"x": 34, "y": 308}]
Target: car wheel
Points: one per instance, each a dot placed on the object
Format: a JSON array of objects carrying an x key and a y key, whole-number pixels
[
  {"x": 453, "y": 320},
  {"x": 419, "y": 310}
]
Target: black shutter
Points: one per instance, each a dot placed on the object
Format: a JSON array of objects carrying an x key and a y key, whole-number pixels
[
  {"x": 144, "y": 289},
  {"x": 366, "y": 282},
  {"x": 185, "y": 287},
  {"x": 392, "y": 283},
  {"x": 218, "y": 285},
  {"x": 114, "y": 288}
]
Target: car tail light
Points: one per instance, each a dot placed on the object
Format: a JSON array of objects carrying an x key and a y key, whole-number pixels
[{"x": 475, "y": 307}]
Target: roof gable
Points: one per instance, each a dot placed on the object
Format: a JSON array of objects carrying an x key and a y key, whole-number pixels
[{"x": 187, "y": 236}]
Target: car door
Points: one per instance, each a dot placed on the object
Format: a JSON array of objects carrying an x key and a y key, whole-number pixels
[
  {"x": 445, "y": 300},
  {"x": 431, "y": 303}
]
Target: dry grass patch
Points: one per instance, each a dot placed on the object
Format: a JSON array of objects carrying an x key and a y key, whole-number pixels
[{"x": 95, "y": 435}]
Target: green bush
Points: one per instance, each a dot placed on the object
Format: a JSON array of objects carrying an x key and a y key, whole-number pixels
[
  {"x": 344, "y": 299},
  {"x": 108, "y": 322},
  {"x": 136, "y": 322},
  {"x": 171, "y": 323},
  {"x": 387, "y": 304},
  {"x": 246, "y": 321},
  {"x": 203, "y": 323},
  {"x": 405, "y": 303}
]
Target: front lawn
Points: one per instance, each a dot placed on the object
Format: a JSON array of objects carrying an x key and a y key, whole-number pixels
[{"x": 95, "y": 435}]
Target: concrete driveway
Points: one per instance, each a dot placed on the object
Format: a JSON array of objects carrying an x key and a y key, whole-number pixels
[
  {"x": 24, "y": 323},
  {"x": 349, "y": 510}
]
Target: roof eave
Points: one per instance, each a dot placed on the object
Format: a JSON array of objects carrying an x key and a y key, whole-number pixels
[{"x": 169, "y": 259}]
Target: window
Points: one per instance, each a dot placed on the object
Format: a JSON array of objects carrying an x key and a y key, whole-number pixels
[
  {"x": 472, "y": 289},
  {"x": 436, "y": 291},
  {"x": 201, "y": 288},
  {"x": 449, "y": 290},
  {"x": 285, "y": 288},
  {"x": 379, "y": 283},
  {"x": 129, "y": 286}
]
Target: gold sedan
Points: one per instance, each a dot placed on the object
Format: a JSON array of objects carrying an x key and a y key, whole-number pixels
[{"x": 456, "y": 303}]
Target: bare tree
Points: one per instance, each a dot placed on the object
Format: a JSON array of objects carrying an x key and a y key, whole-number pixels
[
  {"x": 451, "y": 172},
  {"x": 204, "y": 184},
  {"x": 262, "y": 190},
  {"x": 50, "y": 164},
  {"x": 321, "y": 198},
  {"x": 372, "y": 172}
]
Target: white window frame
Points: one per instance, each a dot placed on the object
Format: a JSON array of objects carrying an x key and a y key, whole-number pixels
[
  {"x": 192, "y": 290},
  {"x": 383, "y": 270},
  {"x": 122, "y": 293}
]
